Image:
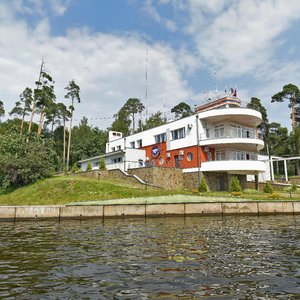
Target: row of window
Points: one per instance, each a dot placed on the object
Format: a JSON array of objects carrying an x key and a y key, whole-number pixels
[
  {"x": 234, "y": 131},
  {"x": 235, "y": 155},
  {"x": 175, "y": 134}
]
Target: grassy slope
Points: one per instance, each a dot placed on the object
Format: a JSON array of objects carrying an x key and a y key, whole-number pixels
[{"x": 61, "y": 190}]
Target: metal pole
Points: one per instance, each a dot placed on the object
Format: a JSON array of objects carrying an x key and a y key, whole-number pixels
[
  {"x": 198, "y": 148},
  {"x": 285, "y": 170},
  {"x": 272, "y": 169}
]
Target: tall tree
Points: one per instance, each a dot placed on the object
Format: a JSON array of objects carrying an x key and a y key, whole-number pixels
[
  {"x": 133, "y": 106},
  {"x": 33, "y": 108},
  {"x": 155, "y": 120},
  {"x": 2, "y": 111},
  {"x": 291, "y": 93},
  {"x": 44, "y": 96},
  {"x": 23, "y": 110},
  {"x": 73, "y": 93},
  {"x": 182, "y": 110},
  {"x": 121, "y": 122},
  {"x": 256, "y": 104},
  {"x": 65, "y": 114}
]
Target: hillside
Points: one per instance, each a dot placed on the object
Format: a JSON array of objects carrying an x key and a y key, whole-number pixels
[{"x": 62, "y": 190}]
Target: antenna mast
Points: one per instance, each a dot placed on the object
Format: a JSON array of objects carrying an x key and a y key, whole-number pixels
[
  {"x": 146, "y": 85},
  {"x": 215, "y": 75}
]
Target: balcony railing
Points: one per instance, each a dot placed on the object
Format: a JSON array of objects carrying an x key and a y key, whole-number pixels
[{"x": 229, "y": 133}]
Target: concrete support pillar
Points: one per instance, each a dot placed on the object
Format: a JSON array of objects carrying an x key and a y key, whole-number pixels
[
  {"x": 272, "y": 169},
  {"x": 285, "y": 171},
  {"x": 256, "y": 182}
]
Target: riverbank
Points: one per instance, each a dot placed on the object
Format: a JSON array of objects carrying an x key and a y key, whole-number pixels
[{"x": 106, "y": 210}]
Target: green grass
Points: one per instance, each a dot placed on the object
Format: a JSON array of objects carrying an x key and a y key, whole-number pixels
[{"x": 62, "y": 190}]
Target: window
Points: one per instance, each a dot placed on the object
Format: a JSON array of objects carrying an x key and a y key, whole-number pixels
[
  {"x": 116, "y": 160},
  {"x": 113, "y": 149},
  {"x": 236, "y": 131},
  {"x": 139, "y": 143},
  {"x": 95, "y": 164},
  {"x": 220, "y": 155},
  {"x": 207, "y": 133},
  {"x": 132, "y": 144},
  {"x": 118, "y": 148},
  {"x": 189, "y": 156},
  {"x": 160, "y": 138},
  {"x": 178, "y": 133},
  {"x": 219, "y": 131}
]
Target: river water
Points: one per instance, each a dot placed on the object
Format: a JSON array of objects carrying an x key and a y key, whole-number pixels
[{"x": 234, "y": 257}]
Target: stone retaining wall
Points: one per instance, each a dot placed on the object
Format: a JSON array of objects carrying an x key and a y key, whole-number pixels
[{"x": 18, "y": 213}]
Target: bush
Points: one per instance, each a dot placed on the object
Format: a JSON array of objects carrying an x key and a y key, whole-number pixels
[
  {"x": 75, "y": 168},
  {"x": 236, "y": 194},
  {"x": 234, "y": 185},
  {"x": 102, "y": 165},
  {"x": 89, "y": 167},
  {"x": 274, "y": 196},
  {"x": 268, "y": 188},
  {"x": 203, "y": 186}
]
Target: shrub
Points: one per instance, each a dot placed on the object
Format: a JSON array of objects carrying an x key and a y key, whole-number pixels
[
  {"x": 75, "y": 168},
  {"x": 294, "y": 188},
  {"x": 102, "y": 165},
  {"x": 89, "y": 167},
  {"x": 236, "y": 194},
  {"x": 203, "y": 186},
  {"x": 234, "y": 185},
  {"x": 274, "y": 196},
  {"x": 268, "y": 188}
]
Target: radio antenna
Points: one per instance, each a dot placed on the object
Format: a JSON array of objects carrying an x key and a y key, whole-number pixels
[{"x": 146, "y": 85}]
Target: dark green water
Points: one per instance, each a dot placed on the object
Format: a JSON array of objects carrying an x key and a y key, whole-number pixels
[{"x": 155, "y": 258}]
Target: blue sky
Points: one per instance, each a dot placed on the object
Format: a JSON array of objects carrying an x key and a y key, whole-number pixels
[{"x": 251, "y": 45}]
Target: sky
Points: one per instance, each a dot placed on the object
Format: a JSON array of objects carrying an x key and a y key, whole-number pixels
[{"x": 194, "y": 47}]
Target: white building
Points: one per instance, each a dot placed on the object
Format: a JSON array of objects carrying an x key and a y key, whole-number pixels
[{"x": 220, "y": 138}]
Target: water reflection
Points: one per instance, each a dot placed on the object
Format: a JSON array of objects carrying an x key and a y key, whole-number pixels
[{"x": 158, "y": 258}]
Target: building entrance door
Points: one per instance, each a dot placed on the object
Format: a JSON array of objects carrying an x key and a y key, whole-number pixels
[{"x": 177, "y": 161}]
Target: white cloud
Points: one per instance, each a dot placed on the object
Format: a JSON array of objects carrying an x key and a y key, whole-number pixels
[
  {"x": 242, "y": 35},
  {"x": 109, "y": 69}
]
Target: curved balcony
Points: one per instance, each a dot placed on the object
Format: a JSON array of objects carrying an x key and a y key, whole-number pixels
[
  {"x": 234, "y": 166},
  {"x": 244, "y": 116},
  {"x": 251, "y": 144}
]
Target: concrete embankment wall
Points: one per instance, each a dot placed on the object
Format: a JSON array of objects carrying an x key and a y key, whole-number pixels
[{"x": 18, "y": 213}]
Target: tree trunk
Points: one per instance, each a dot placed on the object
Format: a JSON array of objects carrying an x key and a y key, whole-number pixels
[
  {"x": 70, "y": 133},
  {"x": 41, "y": 121},
  {"x": 64, "y": 145},
  {"x": 33, "y": 105}
]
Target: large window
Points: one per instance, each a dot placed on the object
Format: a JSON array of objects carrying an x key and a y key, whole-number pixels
[
  {"x": 220, "y": 155},
  {"x": 178, "y": 133},
  {"x": 219, "y": 131},
  {"x": 160, "y": 138}
]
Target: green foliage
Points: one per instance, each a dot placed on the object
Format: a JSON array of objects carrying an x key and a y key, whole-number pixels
[
  {"x": 2, "y": 111},
  {"x": 182, "y": 110},
  {"x": 75, "y": 168},
  {"x": 251, "y": 191},
  {"x": 274, "y": 196},
  {"x": 23, "y": 162},
  {"x": 89, "y": 167},
  {"x": 268, "y": 188},
  {"x": 102, "y": 165},
  {"x": 294, "y": 187},
  {"x": 234, "y": 185},
  {"x": 154, "y": 121},
  {"x": 203, "y": 185}
]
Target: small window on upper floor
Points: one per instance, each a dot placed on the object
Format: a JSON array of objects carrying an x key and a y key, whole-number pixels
[
  {"x": 178, "y": 133},
  {"x": 160, "y": 138},
  {"x": 139, "y": 143},
  {"x": 118, "y": 148},
  {"x": 113, "y": 149},
  {"x": 132, "y": 144}
]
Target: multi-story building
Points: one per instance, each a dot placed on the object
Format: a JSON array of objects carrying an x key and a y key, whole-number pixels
[{"x": 221, "y": 138}]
